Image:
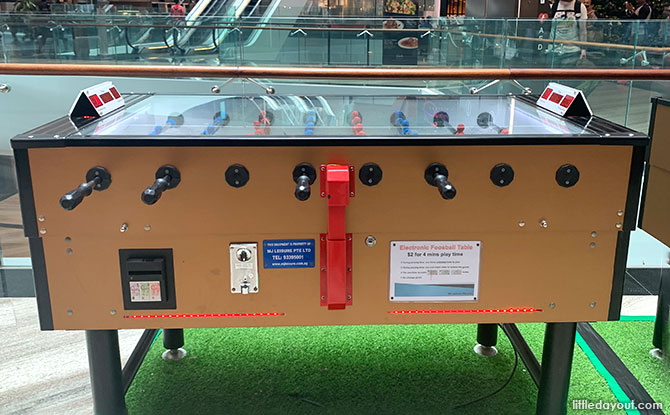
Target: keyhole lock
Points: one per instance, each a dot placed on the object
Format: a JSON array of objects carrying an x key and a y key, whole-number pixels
[{"x": 243, "y": 254}]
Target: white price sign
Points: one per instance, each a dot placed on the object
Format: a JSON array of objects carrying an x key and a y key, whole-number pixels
[{"x": 434, "y": 271}]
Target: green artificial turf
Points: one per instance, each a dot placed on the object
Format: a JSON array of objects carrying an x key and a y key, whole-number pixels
[
  {"x": 419, "y": 369},
  {"x": 631, "y": 341}
]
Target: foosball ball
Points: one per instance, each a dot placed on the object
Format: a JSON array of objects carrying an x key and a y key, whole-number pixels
[{"x": 172, "y": 212}]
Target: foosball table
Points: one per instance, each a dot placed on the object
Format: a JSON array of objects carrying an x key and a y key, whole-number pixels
[{"x": 194, "y": 211}]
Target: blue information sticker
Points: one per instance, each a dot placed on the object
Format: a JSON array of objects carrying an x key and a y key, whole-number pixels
[{"x": 291, "y": 253}]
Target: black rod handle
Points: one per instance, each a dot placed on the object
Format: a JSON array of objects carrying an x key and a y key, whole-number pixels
[
  {"x": 97, "y": 178},
  {"x": 303, "y": 176},
  {"x": 167, "y": 177},
  {"x": 302, "y": 188},
  {"x": 73, "y": 198},
  {"x": 436, "y": 174},
  {"x": 447, "y": 190},
  {"x": 151, "y": 194}
]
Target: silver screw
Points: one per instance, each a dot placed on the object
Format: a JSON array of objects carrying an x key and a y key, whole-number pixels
[
  {"x": 370, "y": 241},
  {"x": 124, "y": 227},
  {"x": 351, "y": 194},
  {"x": 323, "y": 270},
  {"x": 323, "y": 169},
  {"x": 68, "y": 312},
  {"x": 543, "y": 223},
  {"x": 43, "y": 231},
  {"x": 592, "y": 304},
  {"x": 348, "y": 297},
  {"x": 620, "y": 213},
  {"x": 112, "y": 312},
  {"x": 323, "y": 194},
  {"x": 41, "y": 219},
  {"x": 351, "y": 168},
  {"x": 594, "y": 234},
  {"x": 592, "y": 245},
  {"x": 552, "y": 305},
  {"x": 323, "y": 297},
  {"x": 147, "y": 227},
  {"x": 522, "y": 224},
  {"x": 68, "y": 251},
  {"x": 68, "y": 239},
  {"x": 4, "y": 88},
  {"x": 618, "y": 225}
]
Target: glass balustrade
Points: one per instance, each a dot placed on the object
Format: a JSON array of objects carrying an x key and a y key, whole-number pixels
[{"x": 285, "y": 38}]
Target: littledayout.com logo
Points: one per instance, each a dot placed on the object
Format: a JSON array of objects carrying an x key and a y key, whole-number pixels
[{"x": 585, "y": 404}]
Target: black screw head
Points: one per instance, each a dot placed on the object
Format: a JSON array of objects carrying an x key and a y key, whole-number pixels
[
  {"x": 370, "y": 174},
  {"x": 237, "y": 175},
  {"x": 567, "y": 175},
  {"x": 502, "y": 174}
]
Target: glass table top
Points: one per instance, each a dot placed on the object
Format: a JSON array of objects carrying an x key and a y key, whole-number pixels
[{"x": 330, "y": 116}]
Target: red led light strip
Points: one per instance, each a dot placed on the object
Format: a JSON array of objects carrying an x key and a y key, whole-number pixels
[
  {"x": 497, "y": 310},
  {"x": 141, "y": 316}
]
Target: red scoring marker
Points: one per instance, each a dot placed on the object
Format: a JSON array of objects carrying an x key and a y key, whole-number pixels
[{"x": 95, "y": 101}]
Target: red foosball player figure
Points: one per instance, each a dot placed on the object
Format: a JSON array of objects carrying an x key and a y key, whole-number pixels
[
  {"x": 460, "y": 129},
  {"x": 357, "y": 123}
]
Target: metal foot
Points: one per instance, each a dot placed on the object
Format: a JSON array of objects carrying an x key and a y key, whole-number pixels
[
  {"x": 174, "y": 354},
  {"x": 486, "y": 351},
  {"x": 657, "y": 353}
]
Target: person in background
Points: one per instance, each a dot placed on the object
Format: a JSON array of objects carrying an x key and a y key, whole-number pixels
[
  {"x": 643, "y": 10},
  {"x": 568, "y": 25},
  {"x": 177, "y": 11},
  {"x": 590, "y": 11}
]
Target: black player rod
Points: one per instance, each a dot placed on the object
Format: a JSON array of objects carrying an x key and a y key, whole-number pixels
[
  {"x": 525, "y": 353},
  {"x": 137, "y": 357}
]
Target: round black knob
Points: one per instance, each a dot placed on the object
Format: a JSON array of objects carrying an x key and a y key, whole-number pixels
[
  {"x": 370, "y": 174},
  {"x": 167, "y": 177},
  {"x": 97, "y": 178},
  {"x": 436, "y": 175},
  {"x": 237, "y": 175},
  {"x": 304, "y": 175},
  {"x": 502, "y": 174},
  {"x": 567, "y": 175}
]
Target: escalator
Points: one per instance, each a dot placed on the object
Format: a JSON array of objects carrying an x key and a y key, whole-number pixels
[
  {"x": 198, "y": 33},
  {"x": 161, "y": 37}
]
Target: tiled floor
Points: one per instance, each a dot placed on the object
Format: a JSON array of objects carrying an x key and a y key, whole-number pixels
[{"x": 47, "y": 372}]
